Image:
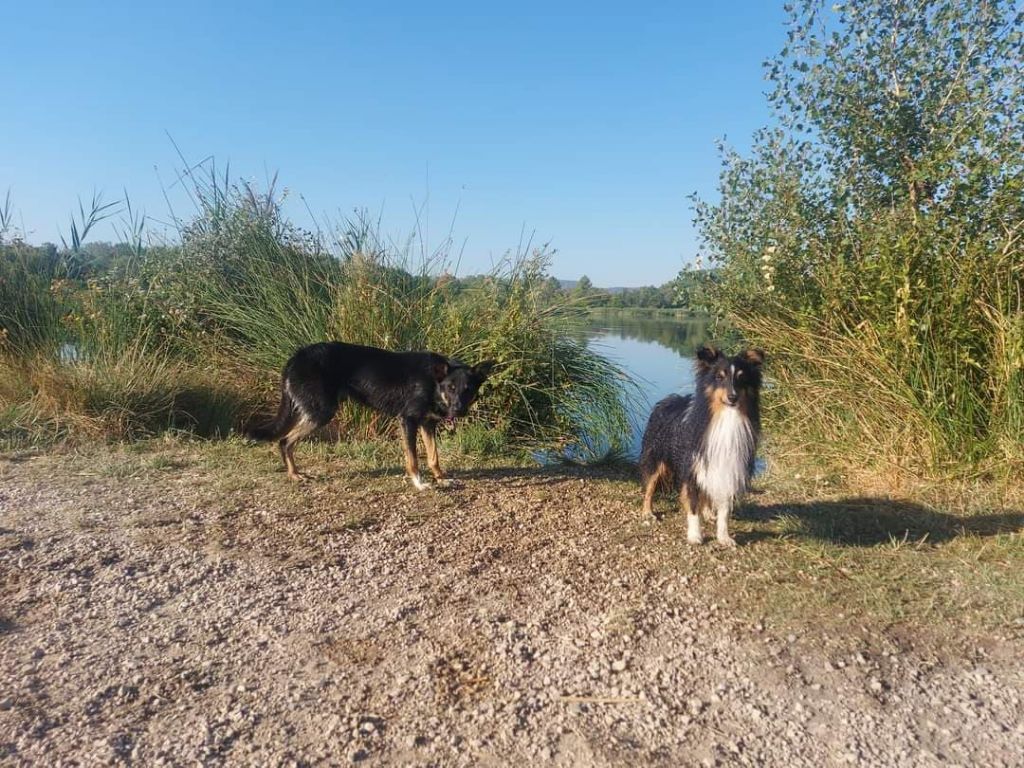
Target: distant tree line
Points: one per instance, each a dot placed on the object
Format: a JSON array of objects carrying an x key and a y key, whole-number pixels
[
  {"x": 681, "y": 292},
  {"x": 99, "y": 259}
]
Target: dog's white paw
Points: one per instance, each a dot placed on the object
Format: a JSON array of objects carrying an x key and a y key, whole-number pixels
[
  {"x": 693, "y": 532},
  {"x": 727, "y": 541},
  {"x": 444, "y": 482},
  {"x": 419, "y": 484}
]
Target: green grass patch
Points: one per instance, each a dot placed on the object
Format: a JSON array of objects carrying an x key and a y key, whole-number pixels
[{"x": 940, "y": 557}]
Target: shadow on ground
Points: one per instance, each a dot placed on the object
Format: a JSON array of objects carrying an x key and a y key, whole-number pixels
[
  {"x": 547, "y": 473},
  {"x": 859, "y": 521},
  {"x": 867, "y": 521}
]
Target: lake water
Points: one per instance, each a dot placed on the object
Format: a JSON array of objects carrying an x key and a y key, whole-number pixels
[{"x": 657, "y": 350}]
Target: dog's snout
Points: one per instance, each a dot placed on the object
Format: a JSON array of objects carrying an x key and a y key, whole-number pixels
[{"x": 732, "y": 397}]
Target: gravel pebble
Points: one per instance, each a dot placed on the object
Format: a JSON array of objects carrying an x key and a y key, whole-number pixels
[{"x": 227, "y": 617}]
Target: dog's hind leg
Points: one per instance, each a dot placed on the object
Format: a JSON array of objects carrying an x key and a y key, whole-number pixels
[
  {"x": 286, "y": 445},
  {"x": 412, "y": 464},
  {"x": 429, "y": 433},
  {"x": 651, "y": 486},
  {"x": 315, "y": 406}
]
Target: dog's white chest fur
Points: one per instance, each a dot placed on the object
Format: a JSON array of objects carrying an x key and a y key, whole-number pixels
[{"x": 721, "y": 467}]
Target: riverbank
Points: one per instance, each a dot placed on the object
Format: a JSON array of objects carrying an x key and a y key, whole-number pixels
[{"x": 175, "y": 601}]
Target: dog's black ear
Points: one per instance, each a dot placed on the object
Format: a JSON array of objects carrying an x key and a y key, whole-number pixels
[
  {"x": 706, "y": 356},
  {"x": 484, "y": 369},
  {"x": 440, "y": 368},
  {"x": 754, "y": 356}
]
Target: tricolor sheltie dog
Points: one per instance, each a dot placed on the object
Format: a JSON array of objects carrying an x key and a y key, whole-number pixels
[{"x": 703, "y": 444}]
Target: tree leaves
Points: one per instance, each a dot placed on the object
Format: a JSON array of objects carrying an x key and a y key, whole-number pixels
[{"x": 890, "y": 197}]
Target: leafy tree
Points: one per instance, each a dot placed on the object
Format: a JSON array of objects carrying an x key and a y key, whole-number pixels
[
  {"x": 584, "y": 287},
  {"x": 550, "y": 290},
  {"x": 688, "y": 289},
  {"x": 873, "y": 238}
]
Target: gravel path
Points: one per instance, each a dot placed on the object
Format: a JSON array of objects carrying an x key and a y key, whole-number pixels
[{"x": 167, "y": 612}]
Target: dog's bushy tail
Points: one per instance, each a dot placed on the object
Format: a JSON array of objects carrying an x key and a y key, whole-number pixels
[{"x": 283, "y": 421}]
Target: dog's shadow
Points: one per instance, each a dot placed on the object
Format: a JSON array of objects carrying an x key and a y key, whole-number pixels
[
  {"x": 553, "y": 472},
  {"x": 541, "y": 474},
  {"x": 857, "y": 521},
  {"x": 867, "y": 522}
]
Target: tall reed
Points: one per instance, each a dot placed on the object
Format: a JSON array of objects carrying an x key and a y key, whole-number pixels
[{"x": 194, "y": 335}]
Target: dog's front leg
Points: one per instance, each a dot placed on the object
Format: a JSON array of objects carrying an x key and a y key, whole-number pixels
[
  {"x": 429, "y": 432},
  {"x": 722, "y": 525},
  {"x": 412, "y": 465},
  {"x": 691, "y": 500}
]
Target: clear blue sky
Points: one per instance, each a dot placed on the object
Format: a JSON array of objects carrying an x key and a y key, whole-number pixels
[{"x": 587, "y": 124}]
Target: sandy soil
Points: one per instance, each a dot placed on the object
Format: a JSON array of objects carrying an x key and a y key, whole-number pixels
[{"x": 173, "y": 608}]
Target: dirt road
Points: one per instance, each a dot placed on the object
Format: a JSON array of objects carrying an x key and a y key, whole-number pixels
[{"x": 172, "y": 608}]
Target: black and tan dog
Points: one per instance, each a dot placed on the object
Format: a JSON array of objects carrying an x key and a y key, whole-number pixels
[{"x": 420, "y": 388}]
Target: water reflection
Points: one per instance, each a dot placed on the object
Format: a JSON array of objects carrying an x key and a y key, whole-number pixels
[
  {"x": 679, "y": 333},
  {"x": 657, "y": 350}
]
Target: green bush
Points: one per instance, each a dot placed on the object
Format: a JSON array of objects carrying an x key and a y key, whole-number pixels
[
  {"x": 30, "y": 312},
  {"x": 872, "y": 241},
  {"x": 194, "y": 335},
  {"x": 269, "y": 289}
]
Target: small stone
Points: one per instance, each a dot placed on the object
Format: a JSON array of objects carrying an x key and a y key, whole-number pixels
[
  {"x": 619, "y": 665},
  {"x": 695, "y": 706}
]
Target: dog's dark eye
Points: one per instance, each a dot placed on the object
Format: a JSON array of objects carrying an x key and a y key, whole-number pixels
[
  {"x": 738, "y": 374},
  {"x": 721, "y": 375}
]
